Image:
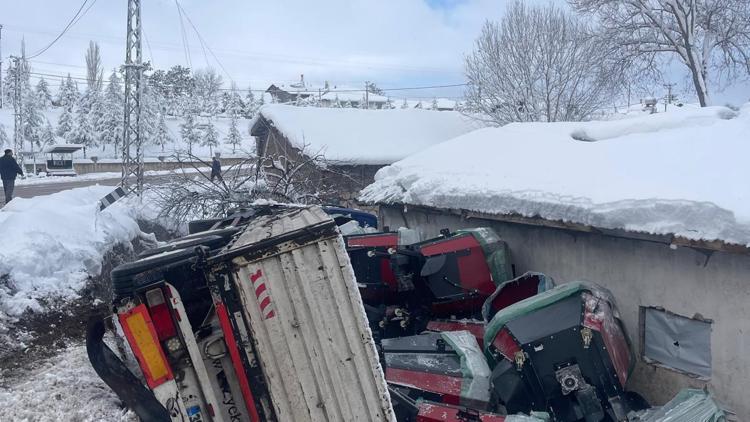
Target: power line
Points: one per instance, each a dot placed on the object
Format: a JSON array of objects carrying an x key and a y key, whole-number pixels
[
  {"x": 203, "y": 43},
  {"x": 72, "y": 22},
  {"x": 185, "y": 45}
]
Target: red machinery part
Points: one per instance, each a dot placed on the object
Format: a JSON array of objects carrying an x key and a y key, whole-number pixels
[
  {"x": 160, "y": 314},
  {"x": 448, "y": 387},
  {"x": 506, "y": 344},
  {"x": 599, "y": 316},
  {"x": 387, "y": 240}
]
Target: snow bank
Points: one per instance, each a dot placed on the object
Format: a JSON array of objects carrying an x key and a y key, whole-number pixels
[
  {"x": 683, "y": 172},
  {"x": 64, "y": 388},
  {"x": 51, "y": 244},
  {"x": 366, "y": 136}
]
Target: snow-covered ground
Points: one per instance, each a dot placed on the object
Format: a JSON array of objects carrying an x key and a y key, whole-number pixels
[
  {"x": 62, "y": 388},
  {"x": 151, "y": 151},
  {"x": 683, "y": 172},
  {"x": 51, "y": 244}
]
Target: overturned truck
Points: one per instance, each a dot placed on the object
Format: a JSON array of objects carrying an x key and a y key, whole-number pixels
[{"x": 271, "y": 314}]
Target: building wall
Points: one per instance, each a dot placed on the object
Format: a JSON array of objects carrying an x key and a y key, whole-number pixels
[{"x": 639, "y": 273}]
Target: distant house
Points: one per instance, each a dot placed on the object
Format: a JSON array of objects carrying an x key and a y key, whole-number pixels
[
  {"x": 356, "y": 143},
  {"x": 655, "y": 208}
]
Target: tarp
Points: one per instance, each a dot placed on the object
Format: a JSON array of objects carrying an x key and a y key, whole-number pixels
[
  {"x": 475, "y": 388},
  {"x": 689, "y": 405}
]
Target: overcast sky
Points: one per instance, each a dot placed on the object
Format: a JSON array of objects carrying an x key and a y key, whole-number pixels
[{"x": 395, "y": 43}]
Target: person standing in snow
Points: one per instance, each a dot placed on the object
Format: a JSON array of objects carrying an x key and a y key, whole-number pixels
[
  {"x": 216, "y": 168},
  {"x": 9, "y": 169}
]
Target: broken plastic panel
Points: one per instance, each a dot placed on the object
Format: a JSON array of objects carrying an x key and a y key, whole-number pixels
[{"x": 677, "y": 342}]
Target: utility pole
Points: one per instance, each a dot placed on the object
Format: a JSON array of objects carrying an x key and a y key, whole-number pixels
[
  {"x": 1, "y": 66},
  {"x": 668, "y": 100},
  {"x": 367, "y": 95},
  {"x": 132, "y": 150}
]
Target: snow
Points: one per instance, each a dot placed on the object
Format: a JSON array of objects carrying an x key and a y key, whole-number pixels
[
  {"x": 51, "y": 244},
  {"x": 64, "y": 387},
  {"x": 366, "y": 136},
  {"x": 151, "y": 152},
  {"x": 683, "y": 172}
]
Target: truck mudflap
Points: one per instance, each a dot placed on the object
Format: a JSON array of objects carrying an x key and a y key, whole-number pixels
[
  {"x": 305, "y": 318},
  {"x": 119, "y": 378}
]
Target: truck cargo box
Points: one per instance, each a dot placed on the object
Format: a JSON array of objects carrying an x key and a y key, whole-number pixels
[{"x": 301, "y": 317}]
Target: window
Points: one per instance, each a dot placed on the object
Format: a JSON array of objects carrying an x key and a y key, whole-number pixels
[{"x": 676, "y": 342}]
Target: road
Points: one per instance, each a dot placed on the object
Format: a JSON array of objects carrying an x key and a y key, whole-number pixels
[{"x": 30, "y": 191}]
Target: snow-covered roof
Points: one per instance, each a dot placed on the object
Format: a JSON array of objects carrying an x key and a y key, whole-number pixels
[
  {"x": 63, "y": 148},
  {"x": 366, "y": 136},
  {"x": 352, "y": 96},
  {"x": 680, "y": 173}
]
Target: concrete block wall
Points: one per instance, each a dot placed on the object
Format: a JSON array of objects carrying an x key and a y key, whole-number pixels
[{"x": 639, "y": 273}]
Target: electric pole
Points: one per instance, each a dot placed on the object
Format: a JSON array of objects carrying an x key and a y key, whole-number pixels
[{"x": 132, "y": 150}]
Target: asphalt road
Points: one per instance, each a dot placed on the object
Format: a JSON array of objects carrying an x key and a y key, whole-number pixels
[{"x": 30, "y": 191}]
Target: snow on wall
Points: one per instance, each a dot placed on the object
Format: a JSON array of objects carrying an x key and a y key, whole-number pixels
[
  {"x": 366, "y": 136},
  {"x": 50, "y": 244},
  {"x": 684, "y": 172}
]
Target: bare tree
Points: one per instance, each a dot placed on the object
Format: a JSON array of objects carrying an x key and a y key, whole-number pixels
[
  {"x": 539, "y": 63},
  {"x": 705, "y": 35},
  {"x": 94, "y": 70}
]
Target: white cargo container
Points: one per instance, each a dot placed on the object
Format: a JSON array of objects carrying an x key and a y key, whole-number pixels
[{"x": 298, "y": 317}]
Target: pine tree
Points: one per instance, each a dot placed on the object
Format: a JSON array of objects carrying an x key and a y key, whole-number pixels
[
  {"x": 434, "y": 105},
  {"x": 210, "y": 137},
  {"x": 33, "y": 120},
  {"x": 65, "y": 124},
  {"x": 68, "y": 93},
  {"x": 187, "y": 131},
  {"x": 405, "y": 104},
  {"x": 388, "y": 104},
  {"x": 43, "y": 96},
  {"x": 251, "y": 107},
  {"x": 150, "y": 111},
  {"x": 109, "y": 126},
  {"x": 3, "y": 137},
  {"x": 233, "y": 137},
  {"x": 162, "y": 137},
  {"x": 83, "y": 132},
  {"x": 234, "y": 102},
  {"x": 47, "y": 136}
]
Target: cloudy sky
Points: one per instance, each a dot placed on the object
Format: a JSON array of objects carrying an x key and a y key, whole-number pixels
[{"x": 396, "y": 43}]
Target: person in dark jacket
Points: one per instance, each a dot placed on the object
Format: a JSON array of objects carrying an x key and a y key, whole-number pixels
[
  {"x": 9, "y": 169},
  {"x": 216, "y": 168}
]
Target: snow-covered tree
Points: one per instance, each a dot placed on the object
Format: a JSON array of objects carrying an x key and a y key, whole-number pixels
[
  {"x": 346, "y": 104},
  {"x": 210, "y": 137},
  {"x": 539, "y": 63},
  {"x": 234, "y": 105},
  {"x": 83, "y": 132},
  {"x": 207, "y": 91},
  {"x": 150, "y": 111},
  {"x": 405, "y": 104},
  {"x": 32, "y": 119},
  {"x": 47, "y": 135},
  {"x": 233, "y": 137},
  {"x": 434, "y": 106},
  {"x": 711, "y": 38},
  {"x": 110, "y": 123},
  {"x": 65, "y": 124},
  {"x": 16, "y": 76},
  {"x": 94, "y": 71},
  {"x": 162, "y": 136},
  {"x": 251, "y": 106},
  {"x": 4, "y": 141},
  {"x": 388, "y": 104},
  {"x": 68, "y": 94},
  {"x": 419, "y": 104},
  {"x": 43, "y": 96},
  {"x": 188, "y": 132}
]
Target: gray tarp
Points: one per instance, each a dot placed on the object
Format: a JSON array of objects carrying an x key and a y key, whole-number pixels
[{"x": 678, "y": 342}]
